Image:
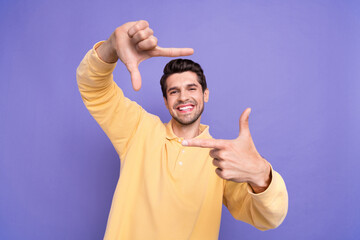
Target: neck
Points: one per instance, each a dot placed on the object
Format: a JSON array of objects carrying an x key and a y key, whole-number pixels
[{"x": 186, "y": 131}]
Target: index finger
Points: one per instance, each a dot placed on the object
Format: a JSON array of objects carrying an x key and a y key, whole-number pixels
[
  {"x": 204, "y": 143},
  {"x": 171, "y": 52}
]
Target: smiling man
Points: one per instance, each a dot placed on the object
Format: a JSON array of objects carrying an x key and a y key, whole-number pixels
[
  {"x": 174, "y": 177},
  {"x": 184, "y": 91}
]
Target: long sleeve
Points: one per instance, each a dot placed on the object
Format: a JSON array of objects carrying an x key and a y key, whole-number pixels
[
  {"x": 265, "y": 210},
  {"x": 117, "y": 115}
]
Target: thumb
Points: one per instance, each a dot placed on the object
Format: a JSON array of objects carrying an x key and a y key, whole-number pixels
[
  {"x": 244, "y": 122},
  {"x": 135, "y": 76}
]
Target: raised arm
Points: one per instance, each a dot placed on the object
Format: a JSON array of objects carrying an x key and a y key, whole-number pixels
[
  {"x": 119, "y": 117},
  {"x": 238, "y": 160},
  {"x": 133, "y": 43},
  {"x": 253, "y": 192}
]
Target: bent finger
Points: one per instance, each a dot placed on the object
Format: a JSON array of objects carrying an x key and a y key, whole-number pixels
[
  {"x": 219, "y": 172},
  {"x": 142, "y": 35},
  {"x": 214, "y": 153},
  {"x": 216, "y": 162},
  {"x": 147, "y": 44},
  {"x": 139, "y": 25}
]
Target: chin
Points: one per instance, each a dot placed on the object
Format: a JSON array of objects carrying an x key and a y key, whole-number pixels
[{"x": 186, "y": 122}]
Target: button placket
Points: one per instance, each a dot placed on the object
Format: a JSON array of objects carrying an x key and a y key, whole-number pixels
[
  {"x": 181, "y": 153},
  {"x": 179, "y": 162}
]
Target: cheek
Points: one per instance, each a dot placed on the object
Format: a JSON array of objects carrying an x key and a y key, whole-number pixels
[
  {"x": 200, "y": 99},
  {"x": 170, "y": 103}
]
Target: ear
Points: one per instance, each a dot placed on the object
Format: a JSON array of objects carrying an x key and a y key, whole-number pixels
[
  {"x": 166, "y": 103},
  {"x": 206, "y": 95}
]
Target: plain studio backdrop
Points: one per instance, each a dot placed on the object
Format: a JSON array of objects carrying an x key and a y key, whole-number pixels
[{"x": 295, "y": 63}]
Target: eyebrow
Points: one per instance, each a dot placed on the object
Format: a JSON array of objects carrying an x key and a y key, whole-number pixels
[
  {"x": 173, "y": 88},
  {"x": 189, "y": 85},
  {"x": 192, "y": 85}
]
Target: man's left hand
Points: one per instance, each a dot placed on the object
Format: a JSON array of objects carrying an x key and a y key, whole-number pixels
[{"x": 237, "y": 160}]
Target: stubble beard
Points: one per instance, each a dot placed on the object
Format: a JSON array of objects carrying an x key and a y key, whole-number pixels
[{"x": 190, "y": 121}]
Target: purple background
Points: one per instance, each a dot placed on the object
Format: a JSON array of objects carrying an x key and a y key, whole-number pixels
[{"x": 296, "y": 63}]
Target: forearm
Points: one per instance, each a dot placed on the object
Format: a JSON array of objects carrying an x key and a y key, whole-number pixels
[
  {"x": 93, "y": 74},
  {"x": 265, "y": 210},
  {"x": 105, "y": 101}
]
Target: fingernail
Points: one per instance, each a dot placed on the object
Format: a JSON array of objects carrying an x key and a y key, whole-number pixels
[{"x": 184, "y": 143}]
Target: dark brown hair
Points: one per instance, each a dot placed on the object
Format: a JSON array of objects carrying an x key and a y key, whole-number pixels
[{"x": 182, "y": 65}]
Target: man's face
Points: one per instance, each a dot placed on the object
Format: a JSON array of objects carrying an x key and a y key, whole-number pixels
[{"x": 185, "y": 99}]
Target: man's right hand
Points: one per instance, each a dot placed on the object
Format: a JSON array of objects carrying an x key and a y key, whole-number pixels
[{"x": 133, "y": 43}]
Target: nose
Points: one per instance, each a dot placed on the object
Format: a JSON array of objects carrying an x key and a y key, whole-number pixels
[{"x": 183, "y": 96}]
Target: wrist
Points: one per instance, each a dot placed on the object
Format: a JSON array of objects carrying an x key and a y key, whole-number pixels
[
  {"x": 106, "y": 52},
  {"x": 262, "y": 182}
]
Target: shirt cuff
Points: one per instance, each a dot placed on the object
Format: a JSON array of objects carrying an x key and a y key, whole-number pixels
[
  {"x": 274, "y": 187},
  {"x": 97, "y": 64}
]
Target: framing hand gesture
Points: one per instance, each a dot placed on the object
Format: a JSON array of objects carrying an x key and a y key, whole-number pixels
[
  {"x": 237, "y": 160},
  {"x": 132, "y": 43}
]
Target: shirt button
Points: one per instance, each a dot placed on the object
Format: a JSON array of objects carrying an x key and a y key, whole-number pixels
[
  {"x": 182, "y": 151},
  {"x": 180, "y": 163},
  {"x": 179, "y": 140}
]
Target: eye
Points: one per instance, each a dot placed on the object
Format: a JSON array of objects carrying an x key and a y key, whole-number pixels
[
  {"x": 173, "y": 92},
  {"x": 192, "y": 89}
]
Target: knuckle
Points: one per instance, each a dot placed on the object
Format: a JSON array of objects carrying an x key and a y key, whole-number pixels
[
  {"x": 219, "y": 172},
  {"x": 201, "y": 144},
  {"x": 223, "y": 165},
  {"x": 224, "y": 175},
  {"x": 222, "y": 154},
  {"x": 153, "y": 41},
  {"x": 171, "y": 53},
  {"x": 220, "y": 165},
  {"x": 141, "y": 45},
  {"x": 151, "y": 32},
  {"x": 137, "y": 37},
  {"x": 118, "y": 31},
  {"x": 137, "y": 26},
  {"x": 212, "y": 153},
  {"x": 214, "y": 162},
  {"x": 136, "y": 29},
  {"x": 144, "y": 23},
  {"x": 142, "y": 35}
]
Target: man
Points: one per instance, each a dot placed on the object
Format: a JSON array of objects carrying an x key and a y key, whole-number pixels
[{"x": 174, "y": 177}]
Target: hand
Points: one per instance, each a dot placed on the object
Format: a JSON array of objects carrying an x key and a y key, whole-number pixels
[
  {"x": 133, "y": 43},
  {"x": 238, "y": 160}
]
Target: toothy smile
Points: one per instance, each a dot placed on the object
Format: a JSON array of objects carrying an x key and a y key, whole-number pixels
[{"x": 185, "y": 108}]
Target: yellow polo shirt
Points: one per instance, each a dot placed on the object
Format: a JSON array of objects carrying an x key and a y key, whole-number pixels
[{"x": 165, "y": 190}]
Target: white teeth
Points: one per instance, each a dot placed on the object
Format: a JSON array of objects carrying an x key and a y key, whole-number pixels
[{"x": 185, "y": 108}]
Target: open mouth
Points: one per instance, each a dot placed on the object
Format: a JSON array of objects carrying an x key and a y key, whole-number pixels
[{"x": 185, "y": 108}]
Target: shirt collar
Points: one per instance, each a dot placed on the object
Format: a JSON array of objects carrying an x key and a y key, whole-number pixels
[{"x": 204, "y": 131}]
